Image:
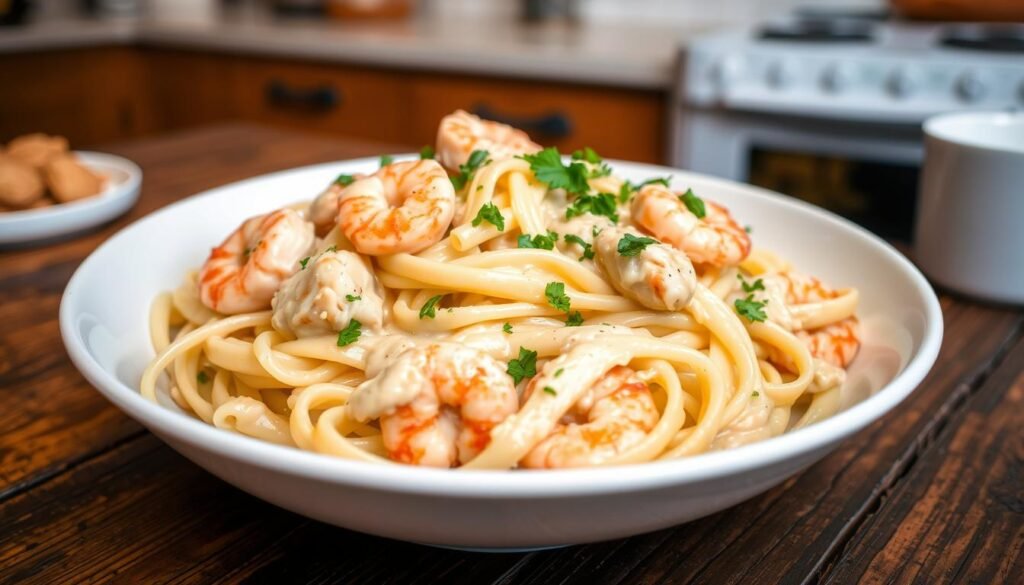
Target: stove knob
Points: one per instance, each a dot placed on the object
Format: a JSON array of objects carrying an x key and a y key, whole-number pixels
[
  {"x": 726, "y": 70},
  {"x": 780, "y": 75},
  {"x": 836, "y": 78},
  {"x": 970, "y": 88},
  {"x": 901, "y": 84}
]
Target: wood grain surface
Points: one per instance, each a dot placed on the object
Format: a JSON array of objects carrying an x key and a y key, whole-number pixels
[{"x": 932, "y": 493}]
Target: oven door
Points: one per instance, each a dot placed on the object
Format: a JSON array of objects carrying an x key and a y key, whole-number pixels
[{"x": 865, "y": 172}]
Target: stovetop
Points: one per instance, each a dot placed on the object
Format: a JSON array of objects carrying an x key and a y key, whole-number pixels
[{"x": 858, "y": 66}]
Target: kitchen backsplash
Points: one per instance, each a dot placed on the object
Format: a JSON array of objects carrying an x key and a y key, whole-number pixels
[{"x": 660, "y": 11}]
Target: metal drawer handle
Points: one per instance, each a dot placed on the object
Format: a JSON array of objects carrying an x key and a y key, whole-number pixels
[
  {"x": 320, "y": 98},
  {"x": 552, "y": 126}
]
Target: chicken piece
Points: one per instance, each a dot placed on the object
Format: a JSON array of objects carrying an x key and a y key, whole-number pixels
[
  {"x": 20, "y": 184},
  {"x": 69, "y": 180},
  {"x": 37, "y": 149}
]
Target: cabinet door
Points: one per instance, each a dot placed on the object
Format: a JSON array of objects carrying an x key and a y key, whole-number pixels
[
  {"x": 617, "y": 123},
  {"x": 88, "y": 95},
  {"x": 345, "y": 100}
]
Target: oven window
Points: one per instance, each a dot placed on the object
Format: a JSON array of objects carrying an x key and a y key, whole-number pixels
[{"x": 879, "y": 196}]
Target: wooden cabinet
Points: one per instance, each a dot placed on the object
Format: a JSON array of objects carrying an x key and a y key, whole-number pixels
[
  {"x": 95, "y": 95},
  {"x": 88, "y": 95},
  {"x": 617, "y": 123}
]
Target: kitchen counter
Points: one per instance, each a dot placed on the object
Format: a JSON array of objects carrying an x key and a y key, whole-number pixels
[{"x": 621, "y": 55}]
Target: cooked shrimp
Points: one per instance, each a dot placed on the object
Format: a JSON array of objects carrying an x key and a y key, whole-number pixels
[
  {"x": 836, "y": 343},
  {"x": 460, "y": 133},
  {"x": 613, "y": 416},
  {"x": 244, "y": 272},
  {"x": 437, "y": 404},
  {"x": 660, "y": 277},
  {"x": 403, "y": 207},
  {"x": 323, "y": 211},
  {"x": 326, "y": 294},
  {"x": 715, "y": 239}
]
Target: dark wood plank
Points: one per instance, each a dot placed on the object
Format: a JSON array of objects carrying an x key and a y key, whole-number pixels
[
  {"x": 958, "y": 515},
  {"x": 59, "y": 419}
]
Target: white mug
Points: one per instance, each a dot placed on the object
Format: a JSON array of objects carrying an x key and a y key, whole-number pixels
[{"x": 970, "y": 222}]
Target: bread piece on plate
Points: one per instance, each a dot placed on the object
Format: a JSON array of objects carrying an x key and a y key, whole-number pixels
[
  {"x": 37, "y": 149},
  {"x": 20, "y": 184},
  {"x": 69, "y": 179}
]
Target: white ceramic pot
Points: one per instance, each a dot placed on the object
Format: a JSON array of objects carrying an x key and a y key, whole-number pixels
[{"x": 970, "y": 223}]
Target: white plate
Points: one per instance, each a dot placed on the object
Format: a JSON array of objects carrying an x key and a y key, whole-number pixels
[
  {"x": 38, "y": 225},
  {"x": 105, "y": 330}
]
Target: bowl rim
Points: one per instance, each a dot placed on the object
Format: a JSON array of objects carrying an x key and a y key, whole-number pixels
[{"x": 494, "y": 484}]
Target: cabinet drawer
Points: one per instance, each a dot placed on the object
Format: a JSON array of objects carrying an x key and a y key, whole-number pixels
[
  {"x": 617, "y": 123},
  {"x": 351, "y": 101}
]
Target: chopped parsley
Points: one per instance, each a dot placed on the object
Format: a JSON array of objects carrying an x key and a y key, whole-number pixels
[
  {"x": 350, "y": 333},
  {"x": 523, "y": 367},
  {"x": 755, "y": 393},
  {"x": 344, "y": 180},
  {"x": 507, "y": 328},
  {"x": 386, "y": 160},
  {"x": 539, "y": 241},
  {"x": 750, "y": 287},
  {"x": 600, "y": 204},
  {"x": 631, "y": 245},
  {"x": 304, "y": 261},
  {"x": 429, "y": 308},
  {"x": 490, "y": 213},
  {"x": 749, "y": 229},
  {"x": 550, "y": 390},
  {"x": 555, "y": 292},
  {"x": 559, "y": 371},
  {"x": 202, "y": 377},
  {"x": 477, "y": 158},
  {"x": 693, "y": 203},
  {"x": 548, "y": 168},
  {"x": 246, "y": 252},
  {"x": 750, "y": 309},
  {"x": 574, "y": 319},
  {"x": 353, "y": 298},
  {"x": 588, "y": 249},
  {"x": 331, "y": 249},
  {"x": 589, "y": 155},
  {"x": 427, "y": 152}
]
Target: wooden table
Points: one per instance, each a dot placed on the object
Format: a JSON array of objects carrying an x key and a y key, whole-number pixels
[{"x": 932, "y": 493}]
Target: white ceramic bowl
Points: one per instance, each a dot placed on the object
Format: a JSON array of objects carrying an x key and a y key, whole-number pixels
[
  {"x": 103, "y": 319},
  {"x": 48, "y": 223}
]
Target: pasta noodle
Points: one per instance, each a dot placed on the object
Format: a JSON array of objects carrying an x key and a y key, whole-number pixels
[{"x": 744, "y": 359}]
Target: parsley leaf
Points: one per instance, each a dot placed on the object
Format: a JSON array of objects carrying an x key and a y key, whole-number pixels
[
  {"x": 202, "y": 377},
  {"x": 631, "y": 245},
  {"x": 523, "y": 367},
  {"x": 490, "y": 213},
  {"x": 303, "y": 262},
  {"x": 507, "y": 328},
  {"x": 749, "y": 229},
  {"x": 627, "y": 189},
  {"x": 555, "y": 292},
  {"x": 548, "y": 168},
  {"x": 539, "y": 241},
  {"x": 600, "y": 204},
  {"x": 550, "y": 390},
  {"x": 755, "y": 393},
  {"x": 588, "y": 249},
  {"x": 350, "y": 333},
  {"x": 331, "y": 249},
  {"x": 353, "y": 298},
  {"x": 750, "y": 309},
  {"x": 748, "y": 287},
  {"x": 588, "y": 154},
  {"x": 559, "y": 371},
  {"x": 344, "y": 180},
  {"x": 386, "y": 160},
  {"x": 575, "y": 319},
  {"x": 477, "y": 158},
  {"x": 693, "y": 203},
  {"x": 429, "y": 308},
  {"x": 427, "y": 152}
]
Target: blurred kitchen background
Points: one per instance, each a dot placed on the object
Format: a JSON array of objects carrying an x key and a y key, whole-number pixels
[{"x": 819, "y": 99}]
